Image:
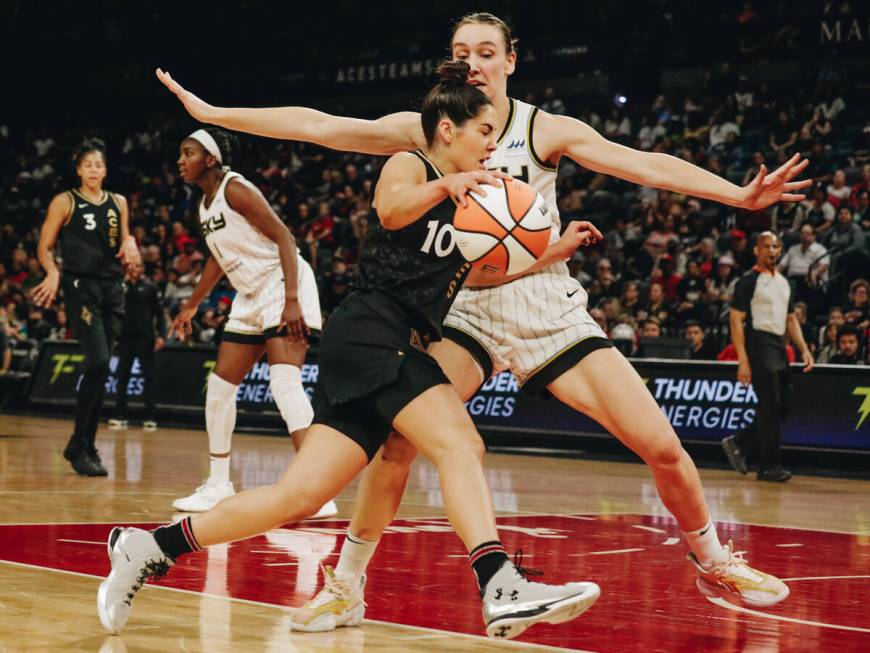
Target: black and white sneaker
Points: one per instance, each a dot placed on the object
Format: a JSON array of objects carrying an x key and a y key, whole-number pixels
[
  {"x": 136, "y": 558},
  {"x": 511, "y": 603}
]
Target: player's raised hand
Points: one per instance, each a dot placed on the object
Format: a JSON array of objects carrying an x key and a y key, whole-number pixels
[
  {"x": 196, "y": 107},
  {"x": 578, "y": 233},
  {"x": 767, "y": 189}
]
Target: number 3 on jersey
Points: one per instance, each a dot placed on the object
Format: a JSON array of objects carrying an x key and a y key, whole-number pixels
[
  {"x": 90, "y": 221},
  {"x": 441, "y": 236}
]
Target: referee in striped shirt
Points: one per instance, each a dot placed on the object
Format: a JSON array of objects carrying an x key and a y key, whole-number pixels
[{"x": 762, "y": 312}]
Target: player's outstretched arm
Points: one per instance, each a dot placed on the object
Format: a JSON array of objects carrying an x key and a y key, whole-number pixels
[
  {"x": 396, "y": 132},
  {"x": 564, "y": 136}
]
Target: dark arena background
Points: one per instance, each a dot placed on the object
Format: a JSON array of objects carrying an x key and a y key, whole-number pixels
[{"x": 727, "y": 86}]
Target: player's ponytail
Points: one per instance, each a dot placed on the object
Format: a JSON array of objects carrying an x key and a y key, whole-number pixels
[{"x": 452, "y": 97}]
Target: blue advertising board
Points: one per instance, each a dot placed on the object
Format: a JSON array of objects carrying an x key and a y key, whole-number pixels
[{"x": 703, "y": 400}]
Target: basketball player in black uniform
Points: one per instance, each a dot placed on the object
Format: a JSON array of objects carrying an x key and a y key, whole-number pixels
[
  {"x": 95, "y": 245},
  {"x": 376, "y": 376}
]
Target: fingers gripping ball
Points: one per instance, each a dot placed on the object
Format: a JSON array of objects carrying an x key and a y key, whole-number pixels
[{"x": 506, "y": 231}]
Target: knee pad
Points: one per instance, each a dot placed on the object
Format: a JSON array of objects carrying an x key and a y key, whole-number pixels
[
  {"x": 219, "y": 391},
  {"x": 289, "y": 395}
]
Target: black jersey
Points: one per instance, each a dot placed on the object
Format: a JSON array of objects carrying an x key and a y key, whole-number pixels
[
  {"x": 418, "y": 267},
  {"x": 90, "y": 239}
]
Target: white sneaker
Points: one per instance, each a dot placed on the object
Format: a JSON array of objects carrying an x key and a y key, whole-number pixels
[
  {"x": 205, "y": 497},
  {"x": 339, "y": 603},
  {"x": 135, "y": 558},
  {"x": 329, "y": 509},
  {"x": 149, "y": 425},
  {"x": 511, "y": 603},
  {"x": 117, "y": 423}
]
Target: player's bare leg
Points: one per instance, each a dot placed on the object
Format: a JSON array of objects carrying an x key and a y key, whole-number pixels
[
  {"x": 602, "y": 386},
  {"x": 340, "y": 601}
]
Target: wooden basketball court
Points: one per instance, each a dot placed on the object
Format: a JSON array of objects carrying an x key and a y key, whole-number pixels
[{"x": 573, "y": 519}]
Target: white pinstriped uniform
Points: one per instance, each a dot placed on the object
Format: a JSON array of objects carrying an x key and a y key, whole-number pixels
[
  {"x": 252, "y": 263},
  {"x": 526, "y": 323}
]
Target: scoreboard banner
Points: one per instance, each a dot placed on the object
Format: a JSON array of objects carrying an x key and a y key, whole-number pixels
[{"x": 830, "y": 406}]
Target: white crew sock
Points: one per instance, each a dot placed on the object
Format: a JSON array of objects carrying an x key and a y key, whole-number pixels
[
  {"x": 355, "y": 555},
  {"x": 220, "y": 420},
  {"x": 705, "y": 544},
  {"x": 219, "y": 470}
]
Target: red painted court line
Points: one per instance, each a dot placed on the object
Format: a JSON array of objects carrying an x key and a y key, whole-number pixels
[{"x": 418, "y": 578}]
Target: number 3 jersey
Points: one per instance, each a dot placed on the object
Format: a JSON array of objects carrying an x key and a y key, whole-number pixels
[
  {"x": 245, "y": 255},
  {"x": 418, "y": 267},
  {"x": 91, "y": 236}
]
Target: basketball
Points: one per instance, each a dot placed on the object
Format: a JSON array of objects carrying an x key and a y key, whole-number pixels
[{"x": 505, "y": 231}]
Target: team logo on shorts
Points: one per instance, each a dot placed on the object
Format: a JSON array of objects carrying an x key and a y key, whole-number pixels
[{"x": 86, "y": 315}]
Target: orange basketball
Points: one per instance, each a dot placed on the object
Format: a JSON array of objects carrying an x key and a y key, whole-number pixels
[{"x": 505, "y": 231}]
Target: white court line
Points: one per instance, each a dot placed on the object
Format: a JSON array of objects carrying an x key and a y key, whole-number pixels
[
  {"x": 791, "y": 580},
  {"x": 788, "y": 546},
  {"x": 671, "y": 541},
  {"x": 651, "y": 529},
  {"x": 279, "y": 551},
  {"x": 288, "y": 610},
  {"x": 508, "y": 514},
  {"x": 82, "y": 541},
  {"x": 719, "y": 521},
  {"x": 604, "y": 553},
  {"x": 806, "y": 622},
  {"x": 280, "y": 564}
]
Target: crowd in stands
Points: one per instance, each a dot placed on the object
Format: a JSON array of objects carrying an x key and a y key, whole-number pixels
[{"x": 666, "y": 269}]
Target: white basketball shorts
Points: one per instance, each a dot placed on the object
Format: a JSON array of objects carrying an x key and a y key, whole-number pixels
[
  {"x": 537, "y": 326},
  {"x": 254, "y": 317}
]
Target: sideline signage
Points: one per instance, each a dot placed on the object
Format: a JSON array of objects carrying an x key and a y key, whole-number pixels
[{"x": 830, "y": 406}]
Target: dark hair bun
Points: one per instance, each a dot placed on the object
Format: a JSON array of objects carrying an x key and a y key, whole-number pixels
[
  {"x": 89, "y": 145},
  {"x": 453, "y": 72}
]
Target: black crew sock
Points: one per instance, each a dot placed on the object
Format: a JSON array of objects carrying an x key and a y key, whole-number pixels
[
  {"x": 176, "y": 539},
  {"x": 486, "y": 559}
]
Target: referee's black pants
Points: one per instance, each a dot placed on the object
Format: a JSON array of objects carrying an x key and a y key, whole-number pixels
[
  {"x": 130, "y": 348},
  {"x": 761, "y": 441}
]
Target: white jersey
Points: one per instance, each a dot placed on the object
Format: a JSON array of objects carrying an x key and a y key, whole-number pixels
[
  {"x": 245, "y": 255},
  {"x": 515, "y": 155},
  {"x": 533, "y": 325}
]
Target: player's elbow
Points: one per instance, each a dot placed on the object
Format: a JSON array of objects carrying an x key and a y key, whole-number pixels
[{"x": 390, "y": 217}]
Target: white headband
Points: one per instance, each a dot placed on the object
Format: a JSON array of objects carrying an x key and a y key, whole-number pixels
[{"x": 208, "y": 142}]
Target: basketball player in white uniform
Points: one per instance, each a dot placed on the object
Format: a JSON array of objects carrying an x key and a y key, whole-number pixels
[
  {"x": 536, "y": 324},
  {"x": 276, "y": 293}
]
